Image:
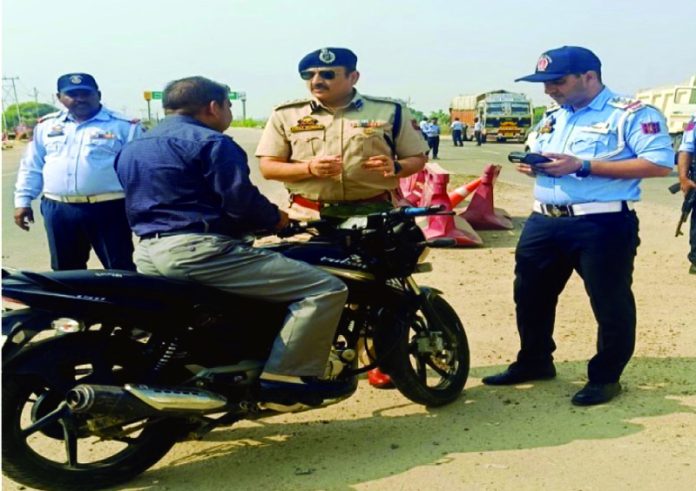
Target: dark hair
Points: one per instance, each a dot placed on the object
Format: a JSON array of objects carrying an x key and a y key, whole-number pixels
[{"x": 191, "y": 94}]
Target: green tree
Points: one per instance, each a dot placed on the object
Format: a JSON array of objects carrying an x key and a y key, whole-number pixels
[
  {"x": 443, "y": 118},
  {"x": 418, "y": 115},
  {"x": 30, "y": 111}
]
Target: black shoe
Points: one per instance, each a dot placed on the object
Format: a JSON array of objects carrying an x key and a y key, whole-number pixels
[
  {"x": 593, "y": 394},
  {"x": 306, "y": 390},
  {"x": 516, "y": 374}
]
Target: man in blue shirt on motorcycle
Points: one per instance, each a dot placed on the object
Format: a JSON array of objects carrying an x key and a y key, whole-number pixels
[{"x": 190, "y": 201}]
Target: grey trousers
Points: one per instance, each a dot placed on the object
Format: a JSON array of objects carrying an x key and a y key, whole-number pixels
[{"x": 317, "y": 298}]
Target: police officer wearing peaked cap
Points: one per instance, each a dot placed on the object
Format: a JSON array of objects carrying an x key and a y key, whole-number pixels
[
  {"x": 340, "y": 153},
  {"x": 600, "y": 145},
  {"x": 71, "y": 161}
]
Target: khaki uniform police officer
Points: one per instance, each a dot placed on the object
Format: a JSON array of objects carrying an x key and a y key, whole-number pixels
[{"x": 337, "y": 151}]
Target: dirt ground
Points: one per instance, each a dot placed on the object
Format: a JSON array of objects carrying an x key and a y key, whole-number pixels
[{"x": 527, "y": 437}]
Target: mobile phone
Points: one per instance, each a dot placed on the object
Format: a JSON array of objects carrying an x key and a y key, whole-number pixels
[{"x": 527, "y": 158}]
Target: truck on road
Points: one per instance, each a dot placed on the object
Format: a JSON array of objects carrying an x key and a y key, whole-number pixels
[{"x": 505, "y": 116}]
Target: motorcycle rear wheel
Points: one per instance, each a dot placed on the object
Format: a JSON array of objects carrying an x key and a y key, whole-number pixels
[
  {"x": 422, "y": 371},
  {"x": 66, "y": 454}
]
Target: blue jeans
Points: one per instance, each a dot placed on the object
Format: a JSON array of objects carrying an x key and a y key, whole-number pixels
[
  {"x": 601, "y": 248},
  {"x": 74, "y": 228}
]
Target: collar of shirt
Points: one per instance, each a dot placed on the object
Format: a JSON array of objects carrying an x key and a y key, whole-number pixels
[
  {"x": 357, "y": 102},
  {"x": 102, "y": 115},
  {"x": 182, "y": 118},
  {"x": 596, "y": 104}
]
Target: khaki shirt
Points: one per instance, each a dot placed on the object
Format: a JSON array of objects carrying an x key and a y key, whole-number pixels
[{"x": 301, "y": 130}]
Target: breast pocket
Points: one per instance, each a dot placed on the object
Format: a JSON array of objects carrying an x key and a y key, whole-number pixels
[
  {"x": 104, "y": 146},
  {"x": 368, "y": 142},
  {"x": 589, "y": 145},
  {"x": 54, "y": 144},
  {"x": 306, "y": 145}
]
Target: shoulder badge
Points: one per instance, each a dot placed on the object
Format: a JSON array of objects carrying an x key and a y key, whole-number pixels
[
  {"x": 122, "y": 117},
  {"x": 295, "y": 102},
  {"x": 48, "y": 116},
  {"x": 691, "y": 124},
  {"x": 552, "y": 109},
  {"x": 384, "y": 99},
  {"x": 626, "y": 103}
]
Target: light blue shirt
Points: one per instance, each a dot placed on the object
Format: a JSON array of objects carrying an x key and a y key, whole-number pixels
[
  {"x": 68, "y": 158},
  {"x": 687, "y": 143},
  {"x": 457, "y": 125},
  {"x": 432, "y": 130},
  {"x": 610, "y": 128}
]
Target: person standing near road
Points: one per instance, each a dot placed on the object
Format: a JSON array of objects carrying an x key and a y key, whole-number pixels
[
  {"x": 433, "y": 134},
  {"x": 339, "y": 153},
  {"x": 478, "y": 131},
  {"x": 687, "y": 180},
  {"x": 191, "y": 203},
  {"x": 71, "y": 160},
  {"x": 600, "y": 146},
  {"x": 457, "y": 131}
]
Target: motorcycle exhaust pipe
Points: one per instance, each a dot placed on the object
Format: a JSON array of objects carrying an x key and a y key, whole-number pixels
[{"x": 137, "y": 401}]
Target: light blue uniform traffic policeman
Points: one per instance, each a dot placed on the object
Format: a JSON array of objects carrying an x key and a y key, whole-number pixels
[
  {"x": 600, "y": 146},
  {"x": 71, "y": 160},
  {"x": 687, "y": 180}
]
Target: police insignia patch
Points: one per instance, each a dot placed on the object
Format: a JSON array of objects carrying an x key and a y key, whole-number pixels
[
  {"x": 327, "y": 56},
  {"x": 690, "y": 126},
  {"x": 543, "y": 63},
  {"x": 307, "y": 123},
  {"x": 76, "y": 79},
  {"x": 651, "y": 128}
]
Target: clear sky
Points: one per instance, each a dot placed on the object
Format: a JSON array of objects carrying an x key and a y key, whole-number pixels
[{"x": 418, "y": 50}]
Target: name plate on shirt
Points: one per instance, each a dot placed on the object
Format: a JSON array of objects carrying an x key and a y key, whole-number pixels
[{"x": 602, "y": 128}]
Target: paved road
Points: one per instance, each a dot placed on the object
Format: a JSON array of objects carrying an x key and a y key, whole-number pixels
[{"x": 29, "y": 249}]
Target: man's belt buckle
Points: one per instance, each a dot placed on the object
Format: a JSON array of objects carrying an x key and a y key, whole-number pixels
[{"x": 558, "y": 211}]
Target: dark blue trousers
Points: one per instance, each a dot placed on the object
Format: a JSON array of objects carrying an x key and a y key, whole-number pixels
[
  {"x": 602, "y": 249},
  {"x": 73, "y": 229}
]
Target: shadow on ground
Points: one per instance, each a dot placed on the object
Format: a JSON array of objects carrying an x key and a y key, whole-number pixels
[{"x": 338, "y": 453}]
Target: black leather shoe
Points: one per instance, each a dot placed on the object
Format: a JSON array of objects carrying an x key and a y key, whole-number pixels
[
  {"x": 593, "y": 394},
  {"x": 516, "y": 375}
]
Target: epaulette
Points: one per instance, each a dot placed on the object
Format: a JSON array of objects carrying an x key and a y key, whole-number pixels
[
  {"x": 123, "y": 117},
  {"x": 551, "y": 109},
  {"x": 626, "y": 103},
  {"x": 295, "y": 102},
  {"x": 390, "y": 100},
  {"x": 48, "y": 116}
]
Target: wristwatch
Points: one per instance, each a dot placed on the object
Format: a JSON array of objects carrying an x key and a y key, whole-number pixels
[
  {"x": 397, "y": 167},
  {"x": 585, "y": 170}
]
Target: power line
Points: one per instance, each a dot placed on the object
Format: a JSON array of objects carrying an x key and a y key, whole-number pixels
[{"x": 14, "y": 91}]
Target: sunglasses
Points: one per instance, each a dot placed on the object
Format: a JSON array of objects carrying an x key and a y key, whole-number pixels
[{"x": 325, "y": 74}]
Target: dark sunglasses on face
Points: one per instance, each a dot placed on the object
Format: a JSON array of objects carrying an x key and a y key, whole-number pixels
[{"x": 325, "y": 74}]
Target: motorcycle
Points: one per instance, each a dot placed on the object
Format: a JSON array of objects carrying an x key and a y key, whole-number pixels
[{"x": 103, "y": 371}]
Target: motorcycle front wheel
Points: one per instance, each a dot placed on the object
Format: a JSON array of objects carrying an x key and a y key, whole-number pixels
[
  {"x": 429, "y": 361},
  {"x": 64, "y": 453}
]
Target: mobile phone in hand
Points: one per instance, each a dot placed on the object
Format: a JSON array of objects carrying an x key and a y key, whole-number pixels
[{"x": 527, "y": 158}]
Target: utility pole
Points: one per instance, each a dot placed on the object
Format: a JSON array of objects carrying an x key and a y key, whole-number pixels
[{"x": 14, "y": 90}]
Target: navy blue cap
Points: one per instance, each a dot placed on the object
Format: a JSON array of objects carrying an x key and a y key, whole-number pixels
[
  {"x": 76, "y": 81},
  {"x": 559, "y": 62},
  {"x": 326, "y": 57}
]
